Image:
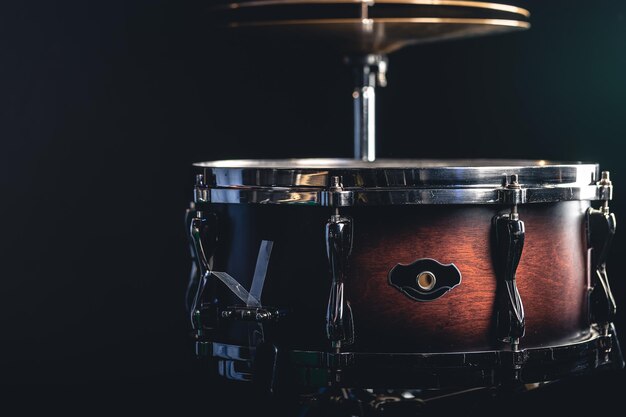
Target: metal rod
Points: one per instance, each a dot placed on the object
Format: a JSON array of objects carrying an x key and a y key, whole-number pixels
[
  {"x": 370, "y": 71},
  {"x": 364, "y": 123}
]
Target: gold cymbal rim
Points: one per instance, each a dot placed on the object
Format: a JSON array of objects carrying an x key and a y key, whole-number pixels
[
  {"x": 416, "y": 20},
  {"x": 458, "y": 3}
]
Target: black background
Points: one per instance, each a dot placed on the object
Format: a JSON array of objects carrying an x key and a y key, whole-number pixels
[{"x": 105, "y": 105}]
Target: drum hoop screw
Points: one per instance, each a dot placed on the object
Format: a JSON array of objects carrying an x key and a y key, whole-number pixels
[
  {"x": 606, "y": 190},
  {"x": 514, "y": 184},
  {"x": 202, "y": 194},
  {"x": 336, "y": 183},
  {"x": 512, "y": 191}
]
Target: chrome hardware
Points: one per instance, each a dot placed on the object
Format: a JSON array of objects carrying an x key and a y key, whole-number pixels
[
  {"x": 395, "y": 173},
  {"x": 335, "y": 184},
  {"x": 339, "y": 322},
  {"x": 229, "y": 370},
  {"x": 233, "y": 352},
  {"x": 509, "y": 233},
  {"x": 512, "y": 192},
  {"x": 262, "y": 314},
  {"x": 234, "y": 362},
  {"x": 202, "y": 194},
  {"x": 383, "y": 197},
  {"x": 203, "y": 234},
  {"x": 601, "y": 225},
  {"x": 336, "y": 196},
  {"x": 370, "y": 71},
  {"x": 605, "y": 187},
  {"x": 424, "y": 279},
  {"x": 396, "y": 182},
  {"x": 248, "y": 363}
]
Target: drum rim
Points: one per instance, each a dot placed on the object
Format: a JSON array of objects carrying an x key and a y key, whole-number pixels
[
  {"x": 588, "y": 352},
  {"x": 390, "y": 163},
  {"x": 347, "y": 182}
]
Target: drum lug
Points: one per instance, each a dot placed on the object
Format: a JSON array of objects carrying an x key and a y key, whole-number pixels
[
  {"x": 509, "y": 233},
  {"x": 203, "y": 236},
  {"x": 601, "y": 226},
  {"x": 339, "y": 322}
]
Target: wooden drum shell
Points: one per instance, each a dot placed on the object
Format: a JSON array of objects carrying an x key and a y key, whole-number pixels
[{"x": 552, "y": 275}]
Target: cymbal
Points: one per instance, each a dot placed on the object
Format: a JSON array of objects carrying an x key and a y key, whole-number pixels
[{"x": 371, "y": 27}]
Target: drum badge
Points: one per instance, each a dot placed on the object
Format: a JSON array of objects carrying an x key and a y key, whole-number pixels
[{"x": 425, "y": 279}]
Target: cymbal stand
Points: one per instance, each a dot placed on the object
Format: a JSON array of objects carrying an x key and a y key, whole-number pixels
[{"x": 370, "y": 71}]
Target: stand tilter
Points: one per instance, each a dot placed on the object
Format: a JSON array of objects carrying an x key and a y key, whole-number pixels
[{"x": 431, "y": 281}]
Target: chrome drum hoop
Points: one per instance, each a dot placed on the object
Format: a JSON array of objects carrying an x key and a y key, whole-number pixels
[{"x": 345, "y": 183}]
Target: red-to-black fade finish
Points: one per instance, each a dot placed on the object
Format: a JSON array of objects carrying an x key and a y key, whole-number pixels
[
  {"x": 552, "y": 275},
  {"x": 551, "y": 278}
]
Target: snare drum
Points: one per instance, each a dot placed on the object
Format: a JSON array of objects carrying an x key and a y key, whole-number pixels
[{"x": 396, "y": 273}]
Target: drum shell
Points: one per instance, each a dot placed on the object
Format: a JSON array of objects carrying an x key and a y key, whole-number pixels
[{"x": 552, "y": 275}]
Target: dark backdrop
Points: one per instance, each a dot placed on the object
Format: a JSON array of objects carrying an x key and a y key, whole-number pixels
[{"x": 106, "y": 104}]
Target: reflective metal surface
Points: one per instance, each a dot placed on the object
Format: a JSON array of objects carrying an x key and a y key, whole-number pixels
[
  {"x": 339, "y": 320},
  {"x": 389, "y": 182},
  {"x": 234, "y": 362},
  {"x": 366, "y": 26},
  {"x": 370, "y": 72},
  {"x": 233, "y": 352},
  {"x": 256, "y": 314},
  {"x": 509, "y": 235}
]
